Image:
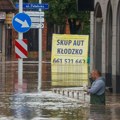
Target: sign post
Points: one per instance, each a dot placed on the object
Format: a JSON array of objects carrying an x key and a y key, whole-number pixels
[
  {"x": 21, "y": 23},
  {"x": 40, "y": 57},
  {"x": 20, "y": 61},
  {"x": 37, "y": 19}
]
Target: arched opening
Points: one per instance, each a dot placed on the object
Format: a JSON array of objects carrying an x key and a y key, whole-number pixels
[
  {"x": 118, "y": 52},
  {"x": 98, "y": 38},
  {"x": 108, "y": 48}
]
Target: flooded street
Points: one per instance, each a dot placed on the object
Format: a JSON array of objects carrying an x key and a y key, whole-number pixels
[{"x": 45, "y": 104}]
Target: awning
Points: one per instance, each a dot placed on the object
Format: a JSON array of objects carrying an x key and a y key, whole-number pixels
[{"x": 7, "y": 6}]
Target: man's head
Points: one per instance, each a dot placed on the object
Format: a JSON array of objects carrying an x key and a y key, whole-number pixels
[{"x": 95, "y": 74}]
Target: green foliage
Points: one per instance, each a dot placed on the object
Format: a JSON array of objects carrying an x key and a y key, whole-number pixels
[
  {"x": 61, "y": 10},
  {"x": 57, "y": 11}
]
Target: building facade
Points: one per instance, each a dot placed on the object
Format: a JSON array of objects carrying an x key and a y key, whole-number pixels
[
  {"x": 105, "y": 41},
  {"x": 7, "y": 11}
]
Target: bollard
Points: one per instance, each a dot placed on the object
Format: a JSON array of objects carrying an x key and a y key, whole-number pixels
[
  {"x": 55, "y": 90},
  {"x": 63, "y": 92},
  {"x": 58, "y": 91},
  {"x": 77, "y": 94},
  {"x": 72, "y": 94},
  {"x": 68, "y": 93},
  {"x": 84, "y": 96}
]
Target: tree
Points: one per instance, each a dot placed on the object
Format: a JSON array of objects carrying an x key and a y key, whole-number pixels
[{"x": 62, "y": 10}]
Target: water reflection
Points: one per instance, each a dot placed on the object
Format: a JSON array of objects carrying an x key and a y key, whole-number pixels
[
  {"x": 97, "y": 112},
  {"x": 25, "y": 106},
  {"x": 20, "y": 110},
  {"x": 25, "y": 103}
]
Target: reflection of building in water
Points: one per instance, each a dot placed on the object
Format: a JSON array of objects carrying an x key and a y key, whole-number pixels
[
  {"x": 7, "y": 75},
  {"x": 2, "y": 75},
  {"x": 105, "y": 41},
  {"x": 97, "y": 112}
]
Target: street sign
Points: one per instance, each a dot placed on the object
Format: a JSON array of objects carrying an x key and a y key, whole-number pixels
[
  {"x": 38, "y": 25},
  {"x": 35, "y": 13},
  {"x": 21, "y": 22},
  {"x": 37, "y": 18},
  {"x": 21, "y": 49},
  {"x": 44, "y": 6},
  {"x": 41, "y": 25},
  {"x": 42, "y": 14}
]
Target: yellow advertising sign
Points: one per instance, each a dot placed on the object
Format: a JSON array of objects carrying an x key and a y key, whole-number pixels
[{"x": 69, "y": 59}]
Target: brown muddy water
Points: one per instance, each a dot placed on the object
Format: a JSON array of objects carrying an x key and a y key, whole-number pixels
[{"x": 45, "y": 105}]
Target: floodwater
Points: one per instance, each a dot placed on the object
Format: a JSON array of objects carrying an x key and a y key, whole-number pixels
[{"x": 28, "y": 103}]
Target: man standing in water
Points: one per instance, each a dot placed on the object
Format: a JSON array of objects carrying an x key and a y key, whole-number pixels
[{"x": 97, "y": 90}]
